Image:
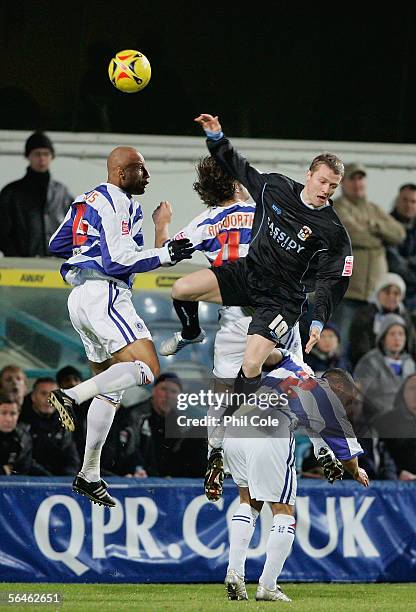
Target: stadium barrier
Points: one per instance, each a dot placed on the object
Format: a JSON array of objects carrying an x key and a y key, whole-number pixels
[{"x": 165, "y": 530}]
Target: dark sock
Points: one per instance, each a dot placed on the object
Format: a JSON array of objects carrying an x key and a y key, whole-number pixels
[
  {"x": 244, "y": 385},
  {"x": 188, "y": 316}
]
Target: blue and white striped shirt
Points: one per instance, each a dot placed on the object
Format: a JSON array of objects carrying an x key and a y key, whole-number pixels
[
  {"x": 221, "y": 233},
  {"x": 101, "y": 237},
  {"x": 315, "y": 405}
]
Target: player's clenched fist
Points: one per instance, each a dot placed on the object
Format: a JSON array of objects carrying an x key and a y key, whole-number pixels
[{"x": 162, "y": 213}]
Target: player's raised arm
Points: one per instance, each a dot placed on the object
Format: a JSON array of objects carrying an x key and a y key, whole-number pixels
[
  {"x": 162, "y": 216},
  {"x": 222, "y": 150}
]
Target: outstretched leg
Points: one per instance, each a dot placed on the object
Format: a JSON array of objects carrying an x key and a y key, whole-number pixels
[
  {"x": 186, "y": 293},
  {"x": 134, "y": 364}
]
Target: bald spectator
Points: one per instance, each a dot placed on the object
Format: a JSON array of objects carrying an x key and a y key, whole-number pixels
[
  {"x": 402, "y": 258},
  {"x": 371, "y": 230},
  {"x": 33, "y": 207},
  {"x": 13, "y": 381},
  {"x": 388, "y": 298},
  {"x": 53, "y": 447}
]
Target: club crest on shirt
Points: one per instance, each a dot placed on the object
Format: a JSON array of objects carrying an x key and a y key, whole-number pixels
[{"x": 304, "y": 233}]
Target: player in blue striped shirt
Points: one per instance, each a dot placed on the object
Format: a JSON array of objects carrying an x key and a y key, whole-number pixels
[{"x": 101, "y": 239}]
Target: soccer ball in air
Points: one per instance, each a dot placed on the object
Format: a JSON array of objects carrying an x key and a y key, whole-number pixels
[{"x": 129, "y": 71}]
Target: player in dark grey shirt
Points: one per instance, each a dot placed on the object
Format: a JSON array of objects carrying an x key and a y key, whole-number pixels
[{"x": 299, "y": 245}]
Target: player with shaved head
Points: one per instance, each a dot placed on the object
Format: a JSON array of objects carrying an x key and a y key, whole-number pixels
[{"x": 101, "y": 239}]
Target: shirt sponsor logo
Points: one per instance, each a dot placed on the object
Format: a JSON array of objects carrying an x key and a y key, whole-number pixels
[
  {"x": 124, "y": 228},
  {"x": 348, "y": 265},
  {"x": 304, "y": 233},
  {"x": 283, "y": 240}
]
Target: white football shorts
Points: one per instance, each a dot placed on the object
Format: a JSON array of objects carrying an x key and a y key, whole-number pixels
[
  {"x": 103, "y": 314},
  {"x": 266, "y": 465}
]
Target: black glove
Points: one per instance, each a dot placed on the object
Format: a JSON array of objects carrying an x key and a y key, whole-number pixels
[
  {"x": 332, "y": 467},
  {"x": 180, "y": 249}
]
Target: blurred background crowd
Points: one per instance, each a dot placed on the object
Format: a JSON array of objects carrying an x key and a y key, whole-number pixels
[{"x": 372, "y": 335}]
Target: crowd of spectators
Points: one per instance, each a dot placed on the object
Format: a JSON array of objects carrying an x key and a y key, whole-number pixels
[
  {"x": 144, "y": 440},
  {"x": 372, "y": 335}
]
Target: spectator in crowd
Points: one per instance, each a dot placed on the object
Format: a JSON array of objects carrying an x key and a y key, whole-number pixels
[
  {"x": 380, "y": 372},
  {"x": 33, "y": 207},
  {"x": 166, "y": 449},
  {"x": 13, "y": 381},
  {"x": 121, "y": 454},
  {"x": 53, "y": 447},
  {"x": 15, "y": 440},
  {"x": 388, "y": 298},
  {"x": 326, "y": 353},
  {"x": 402, "y": 258},
  {"x": 66, "y": 378},
  {"x": 398, "y": 429},
  {"x": 371, "y": 230}
]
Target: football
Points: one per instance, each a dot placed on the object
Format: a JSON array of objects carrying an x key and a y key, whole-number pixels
[{"x": 129, "y": 71}]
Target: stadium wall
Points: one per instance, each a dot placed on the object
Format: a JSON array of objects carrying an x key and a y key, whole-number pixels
[
  {"x": 165, "y": 530},
  {"x": 80, "y": 163}
]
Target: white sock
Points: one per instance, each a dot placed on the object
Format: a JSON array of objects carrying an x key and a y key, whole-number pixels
[
  {"x": 278, "y": 548},
  {"x": 216, "y": 432},
  {"x": 241, "y": 532},
  {"x": 118, "y": 377},
  {"x": 99, "y": 420}
]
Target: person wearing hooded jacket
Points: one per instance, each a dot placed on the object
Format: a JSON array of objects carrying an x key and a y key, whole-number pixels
[
  {"x": 380, "y": 372},
  {"x": 387, "y": 298},
  {"x": 397, "y": 429}
]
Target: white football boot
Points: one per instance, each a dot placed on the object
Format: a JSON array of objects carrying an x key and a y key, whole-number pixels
[
  {"x": 277, "y": 594},
  {"x": 175, "y": 343},
  {"x": 235, "y": 586}
]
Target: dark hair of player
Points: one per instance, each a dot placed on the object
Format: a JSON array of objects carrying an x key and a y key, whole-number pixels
[
  {"x": 213, "y": 185},
  {"x": 342, "y": 384},
  {"x": 330, "y": 160}
]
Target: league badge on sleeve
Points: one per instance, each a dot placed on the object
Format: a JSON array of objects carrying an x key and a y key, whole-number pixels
[{"x": 348, "y": 265}]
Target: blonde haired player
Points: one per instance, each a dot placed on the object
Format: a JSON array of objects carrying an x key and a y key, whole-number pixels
[{"x": 223, "y": 233}]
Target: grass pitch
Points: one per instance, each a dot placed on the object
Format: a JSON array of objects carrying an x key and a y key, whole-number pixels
[{"x": 207, "y": 597}]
